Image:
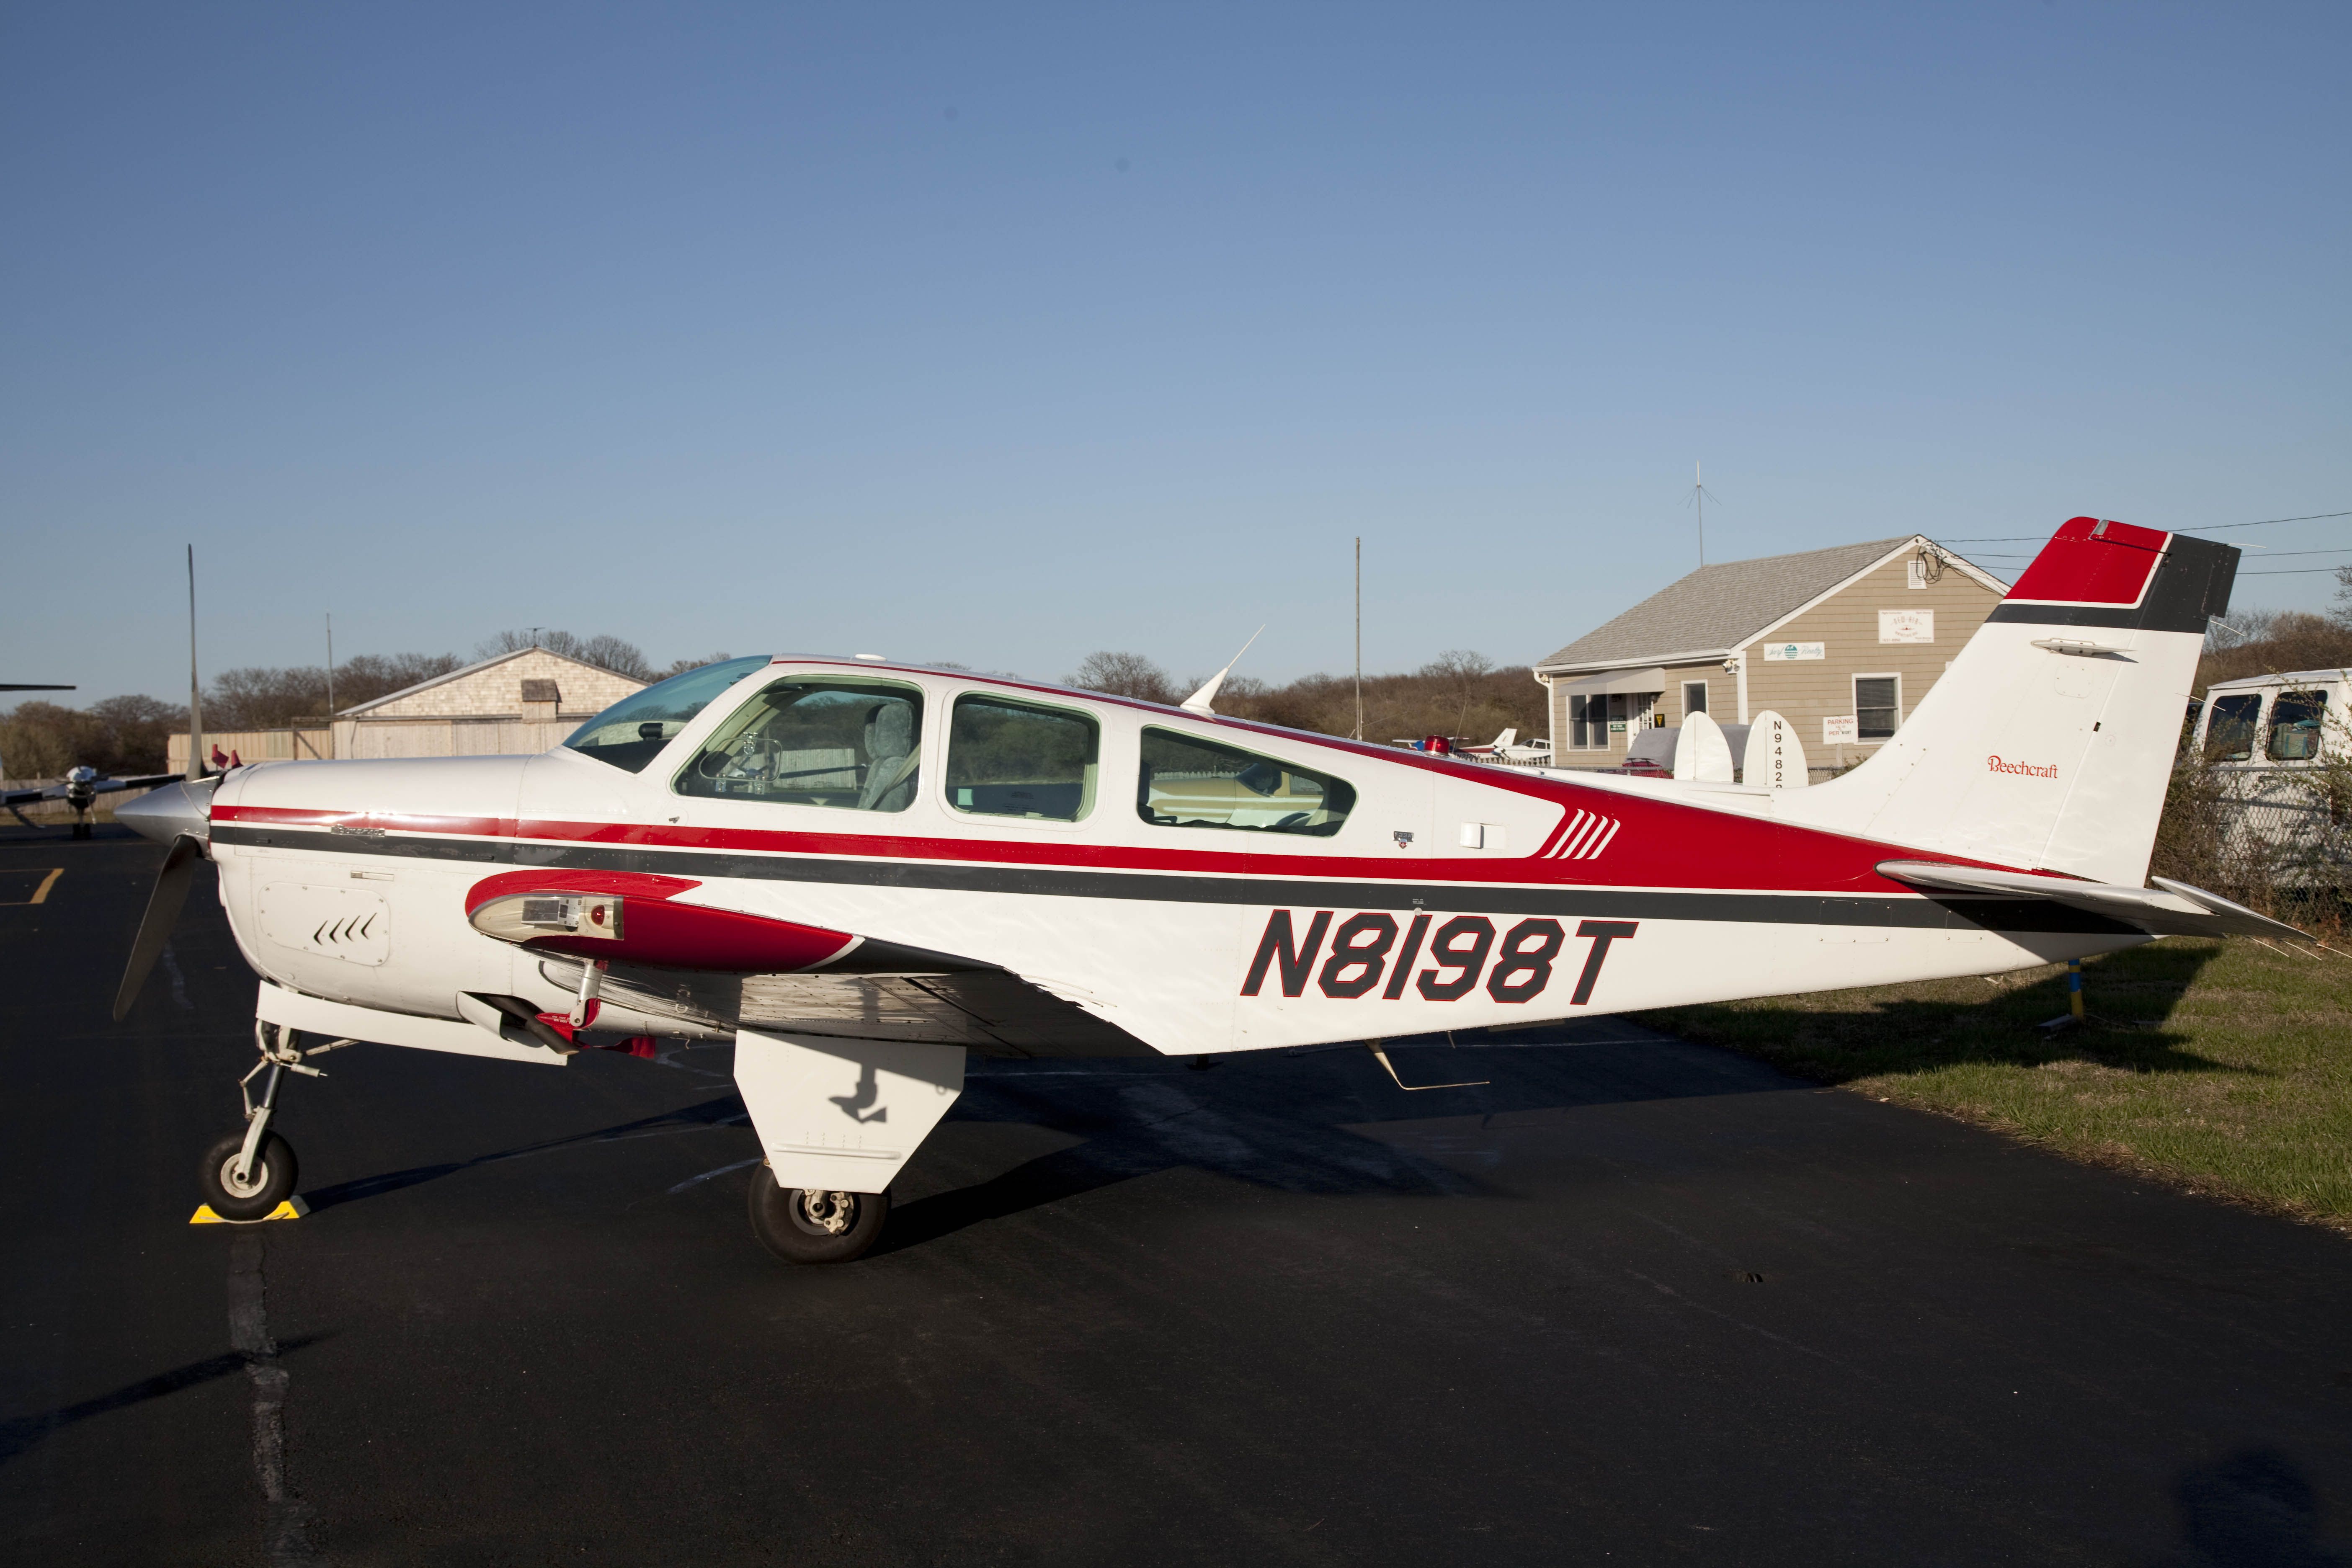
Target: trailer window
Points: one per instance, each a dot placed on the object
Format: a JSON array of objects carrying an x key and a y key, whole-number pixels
[
  {"x": 1017, "y": 759},
  {"x": 2296, "y": 717},
  {"x": 813, "y": 741},
  {"x": 1187, "y": 782},
  {"x": 2230, "y": 733}
]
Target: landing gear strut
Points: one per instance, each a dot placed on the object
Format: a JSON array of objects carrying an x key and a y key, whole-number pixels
[
  {"x": 246, "y": 1176},
  {"x": 809, "y": 1225}
]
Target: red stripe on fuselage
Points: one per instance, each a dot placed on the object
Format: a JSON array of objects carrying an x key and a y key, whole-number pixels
[{"x": 1662, "y": 844}]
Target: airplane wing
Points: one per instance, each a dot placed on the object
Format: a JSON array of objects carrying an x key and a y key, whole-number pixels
[
  {"x": 2169, "y": 908},
  {"x": 992, "y": 1012}
]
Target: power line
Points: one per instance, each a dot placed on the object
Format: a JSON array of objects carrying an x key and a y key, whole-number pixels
[
  {"x": 2290, "y": 570},
  {"x": 2206, "y": 527}
]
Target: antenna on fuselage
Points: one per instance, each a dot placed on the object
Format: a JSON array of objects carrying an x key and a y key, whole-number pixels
[{"x": 1198, "y": 701}]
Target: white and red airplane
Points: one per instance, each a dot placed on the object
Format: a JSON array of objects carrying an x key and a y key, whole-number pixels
[{"x": 858, "y": 871}]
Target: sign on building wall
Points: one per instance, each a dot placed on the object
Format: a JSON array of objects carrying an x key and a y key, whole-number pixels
[
  {"x": 1781, "y": 652},
  {"x": 1906, "y": 626},
  {"x": 1845, "y": 731}
]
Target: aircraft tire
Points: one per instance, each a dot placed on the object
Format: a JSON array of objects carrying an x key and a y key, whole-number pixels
[
  {"x": 274, "y": 1175},
  {"x": 781, "y": 1220}
]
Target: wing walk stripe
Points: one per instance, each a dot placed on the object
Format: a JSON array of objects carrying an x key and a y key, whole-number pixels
[{"x": 1917, "y": 912}]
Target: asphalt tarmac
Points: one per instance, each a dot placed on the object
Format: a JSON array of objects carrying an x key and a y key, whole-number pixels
[{"x": 1634, "y": 1300}]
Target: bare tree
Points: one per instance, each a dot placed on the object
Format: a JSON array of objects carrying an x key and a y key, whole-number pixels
[
  {"x": 603, "y": 650},
  {"x": 680, "y": 667},
  {"x": 1124, "y": 675}
]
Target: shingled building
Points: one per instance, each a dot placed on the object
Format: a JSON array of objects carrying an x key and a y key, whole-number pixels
[{"x": 1841, "y": 642}]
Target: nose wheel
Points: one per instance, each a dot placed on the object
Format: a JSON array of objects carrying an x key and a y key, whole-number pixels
[
  {"x": 246, "y": 1176},
  {"x": 810, "y": 1225}
]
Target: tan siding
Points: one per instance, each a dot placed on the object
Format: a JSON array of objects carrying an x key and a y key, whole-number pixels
[
  {"x": 497, "y": 692},
  {"x": 1723, "y": 703},
  {"x": 1807, "y": 692}
]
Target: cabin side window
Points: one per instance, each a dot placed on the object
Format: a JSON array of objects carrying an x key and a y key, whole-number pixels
[
  {"x": 2230, "y": 733},
  {"x": 1021, "y": 759},
  {"x": 854, "y": 746},
  {"x": 1187, "y": 782},
  {"x": 2296, "y": 720}
]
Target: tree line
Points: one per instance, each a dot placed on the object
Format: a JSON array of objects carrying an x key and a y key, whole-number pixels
[
  {"x": 1459, "y": 693},
  {"x": 41, "y": 740}
]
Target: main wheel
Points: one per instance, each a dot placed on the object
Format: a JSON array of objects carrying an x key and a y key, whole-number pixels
[
  {"x": 808, "y": 1225},
  {"x": 267, "y": 1184}
]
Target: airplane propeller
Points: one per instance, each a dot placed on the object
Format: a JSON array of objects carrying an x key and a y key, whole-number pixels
[{"x": 179, "y": 815}]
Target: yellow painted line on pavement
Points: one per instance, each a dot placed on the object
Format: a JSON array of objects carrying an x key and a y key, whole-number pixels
[{"x": 41, "y": 893}]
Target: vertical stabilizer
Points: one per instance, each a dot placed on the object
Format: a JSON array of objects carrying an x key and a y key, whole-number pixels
[{"x": 2048, "y": 743}]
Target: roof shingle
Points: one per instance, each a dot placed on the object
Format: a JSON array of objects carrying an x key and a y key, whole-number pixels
[{"x": 1720, "y": 607}]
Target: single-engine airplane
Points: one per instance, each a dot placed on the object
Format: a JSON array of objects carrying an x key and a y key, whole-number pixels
[
  {"x": 858, "y": 871},
  {"x": 81, "y": 789}
]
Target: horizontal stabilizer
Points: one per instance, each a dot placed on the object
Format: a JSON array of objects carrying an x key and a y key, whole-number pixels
[{"x": 2169, "y": 909}]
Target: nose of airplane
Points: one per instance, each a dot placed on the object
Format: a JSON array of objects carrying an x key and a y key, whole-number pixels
[{"x": 162, "y": 815}]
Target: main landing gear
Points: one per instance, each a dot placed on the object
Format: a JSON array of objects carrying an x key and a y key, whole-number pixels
[
  {"x": 809, "y": 1225},
  {"x": 246, "y": 1176}
]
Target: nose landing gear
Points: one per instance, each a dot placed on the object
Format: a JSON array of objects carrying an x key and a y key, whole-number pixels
[{"x": 246, "y": 1176}]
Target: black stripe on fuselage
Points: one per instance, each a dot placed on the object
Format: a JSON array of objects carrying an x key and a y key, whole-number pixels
[{"x": 1937, "y": 912}]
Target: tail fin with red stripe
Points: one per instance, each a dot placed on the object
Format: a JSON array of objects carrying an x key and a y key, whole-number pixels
[{"x": 2048, "y": 743}]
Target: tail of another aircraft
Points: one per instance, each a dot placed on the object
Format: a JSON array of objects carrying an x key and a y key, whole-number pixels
[{"x": 2048, "y": 743}]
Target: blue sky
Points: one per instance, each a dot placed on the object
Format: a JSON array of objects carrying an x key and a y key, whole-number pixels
[{"x": 1004, "y": 334}]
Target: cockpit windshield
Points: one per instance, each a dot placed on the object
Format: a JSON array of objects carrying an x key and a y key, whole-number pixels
[{"x": 632, "y": 731}]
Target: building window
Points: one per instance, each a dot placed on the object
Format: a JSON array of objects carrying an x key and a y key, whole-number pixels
[
  {"x": 1016, "y": 759},
  {"x": 1580, "y": 723},
  {"x": 1694, "y": 697},
  {"x": 1877, "y": 706}
]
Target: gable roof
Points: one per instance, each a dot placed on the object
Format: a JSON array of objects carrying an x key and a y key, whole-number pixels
[
  {"x": 476, "y": 667},
  {"x": 1719, "y": 608}
]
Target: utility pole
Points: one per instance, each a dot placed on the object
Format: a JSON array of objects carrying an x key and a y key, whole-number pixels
[
  {"x": 196, "y": 697},
  {"x": 331, "y": 685},
  {"x": 1360, "y": 636}
]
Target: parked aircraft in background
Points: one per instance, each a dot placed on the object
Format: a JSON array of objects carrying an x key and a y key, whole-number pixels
[
  {"x": 858, "y": 871},
  {"x": 81, "y": 789}
]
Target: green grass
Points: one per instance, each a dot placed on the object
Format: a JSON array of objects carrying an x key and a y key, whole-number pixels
[{"x": 2222, "y": 1066}]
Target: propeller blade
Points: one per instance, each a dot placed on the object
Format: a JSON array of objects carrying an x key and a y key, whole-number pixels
[{"x": 163, "y": 913}]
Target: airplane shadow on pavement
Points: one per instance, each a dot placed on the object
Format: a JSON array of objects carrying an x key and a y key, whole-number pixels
[
  {"x": 1288, "y": 1120},
  {"x": 1282, "y": 1120}
]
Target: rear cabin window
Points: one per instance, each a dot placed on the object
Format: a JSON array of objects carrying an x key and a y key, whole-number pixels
[
  {"x": 1188, "y": 782},
  {"x": 2230, "y": 733},
  {"x": 1020, "y": 759},
  {"x": 2296, "y": 719},
  {"x": 814, "y": 741},
  {"x": 632, "y": 732}
]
